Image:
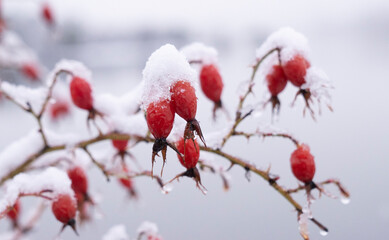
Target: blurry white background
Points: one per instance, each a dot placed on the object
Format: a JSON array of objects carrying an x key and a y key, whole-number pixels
[{"x": 348, "y": 39}]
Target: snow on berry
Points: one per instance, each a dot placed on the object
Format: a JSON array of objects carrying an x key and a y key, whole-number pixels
[
  {"x": 289, "y": 41},
  {"x": 200, "y": 53},
  {"x": 163, "y": 68},
  {"x": 319, "y": 85},
  {"x": 50, "y": 183},
  {"x": 76, "y": 68},
  {"x": 148, "y": 229},
  {"x": 117, "y": 232},
  {"x": 303, "y": 164}
]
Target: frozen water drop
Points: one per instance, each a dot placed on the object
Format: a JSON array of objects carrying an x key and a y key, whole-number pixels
[
  {"x": 345, "y": 200},
  {"x": 167, "y": 189},
  {"x": 323, "y": 232}
]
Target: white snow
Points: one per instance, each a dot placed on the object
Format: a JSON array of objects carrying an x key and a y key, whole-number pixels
[
  {"x": 117, "y": 232},
  {"x": 77, "y": 68},
  {"x": 14, "y": 52},
  {"x": 199, "y": 52},
  {"x": 22, "y": 94},
  {"x": 318, "y": 84},
  {"x": 164, "y": 67},
  {"x": 51, "y": 179},
  {"x": 17, "y": 152},
  {"x": 148, "y": 228},
  {"x": 290, "y": 42}
]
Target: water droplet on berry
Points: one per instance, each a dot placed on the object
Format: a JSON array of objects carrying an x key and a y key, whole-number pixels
[
  {"x": 323, "y": 232},
  {"x": 345, "y": 200}
]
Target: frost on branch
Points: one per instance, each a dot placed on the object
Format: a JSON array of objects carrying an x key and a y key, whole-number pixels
[
  {"x": 164, "y": 67},
  {"x": 13, "y": 51},
  {"x": 49, "y": 183},
  {"x": 74, "y": 67},
  {"x": 200, "y": 53},
  {"x": 12, "y": 156},
  {"x": 287, "y": 39},
  {"x": 25, "y": 96}
]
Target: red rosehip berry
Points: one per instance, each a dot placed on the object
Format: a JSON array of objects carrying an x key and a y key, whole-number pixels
[
  {"x": 276, "y": 83},
  {"x": 81, "y": 93},
  {"x": 211, "y": 82},
  {"x": 190, "y": 151},
  {"x": 303, "y": 164},
  {"x": 14, "y": 211},
  {"x": 160, "y": 118},
  {"x": 64, "y": 210},
  {"x": 47, "y": 14},
  {"x": 59, "y": 109},
  {"x": 31, "y": 71},
  {"x": 128, "y": 184},
  {"x": 184, "y": 100},
  {"x": 295, "y": 70},
  {"x": 79, "y": 180},
  {"x": 184, "y": 103},
  {"x": 120, "y": 145},
  {"x": 276, "y": 80}
]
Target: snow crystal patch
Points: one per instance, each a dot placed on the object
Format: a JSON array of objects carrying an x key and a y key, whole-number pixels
[
  {"x": 132, "y": 125},
  {"x": 17, "y": 152},
  {"x": 178, "y": 130},
  {"x": 165, "y": 67},
  {"x": 117, "y": 232},
  {"x": 131, "y": 101},
  {"x": 148, "y": 228},
  {"x": 200, "y": 52},
  {"x": 75, "y": 67},
  {"x": 318, "y": 84},
  {"x": 52, "y": 179},
  {"x": 13, "y": 51},
  {"x": 290, "y": 42},
  {"x": 26, "y": 96}
]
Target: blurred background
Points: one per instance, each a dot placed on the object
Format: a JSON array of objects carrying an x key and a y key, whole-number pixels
[{"x": 349, "y": 40}]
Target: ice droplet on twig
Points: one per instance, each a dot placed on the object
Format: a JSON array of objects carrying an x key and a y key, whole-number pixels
[
  {"x": 323, "y": 232},
  {"x": 345, "y": 200},
  {"x": 167, "y": 189}
]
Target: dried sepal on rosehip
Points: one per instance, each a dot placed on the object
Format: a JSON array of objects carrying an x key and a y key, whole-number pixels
[
  {"x": 212, "y": 85},
  {"x": 189, "y": 157},
  {"x": 184, "y": 103},
  {"x": 64, "y": 210},
  {"x": 276, "y": 83}
]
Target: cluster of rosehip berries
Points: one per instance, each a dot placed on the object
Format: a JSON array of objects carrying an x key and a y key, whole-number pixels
[
  {"x": 293, "y": 70},
  {"x": 160, "y": 117}
]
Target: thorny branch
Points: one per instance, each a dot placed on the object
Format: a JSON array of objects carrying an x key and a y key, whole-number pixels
[{"x": 264, "y": 174}]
